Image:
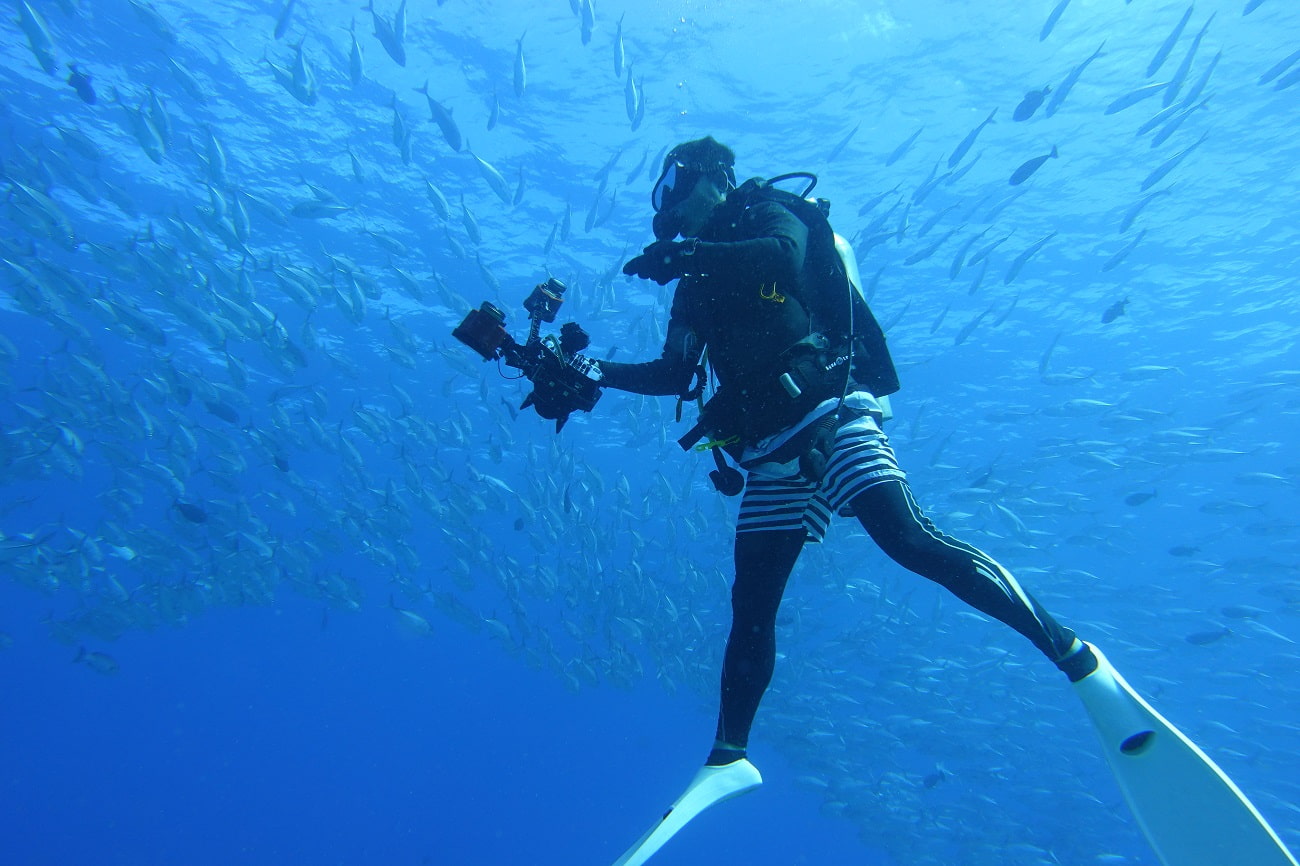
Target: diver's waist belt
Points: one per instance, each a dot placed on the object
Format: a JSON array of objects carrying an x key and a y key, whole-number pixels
[{"x": 740, "y": 415}]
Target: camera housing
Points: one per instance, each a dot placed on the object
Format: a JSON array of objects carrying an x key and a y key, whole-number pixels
[
  {"x": 563, "y": 380},
  {"x": 484, "y": 330}
]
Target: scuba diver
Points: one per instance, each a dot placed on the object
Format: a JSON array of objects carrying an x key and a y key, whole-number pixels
[
  {"x": 802, "y": 369},
  {"x": 769, "y": 295}
]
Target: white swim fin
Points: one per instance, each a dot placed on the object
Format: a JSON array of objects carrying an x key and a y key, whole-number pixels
[
  {"x": 1191, "y": 813},
  {"x": 711, "y": 785}
]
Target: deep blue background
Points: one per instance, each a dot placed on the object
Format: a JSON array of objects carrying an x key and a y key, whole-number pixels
[{"x": 260, "y": 736}]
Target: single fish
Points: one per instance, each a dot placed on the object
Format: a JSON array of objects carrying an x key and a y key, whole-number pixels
[
  {"x": 521, "y": 71},
  {"x": 1052, "y": 19},
  {"x": 356, "y": 65},
  {"x": 640, "y": 109},
  {"x": 1023, "y": 258},
  {"x": 1162, "y": 53},
  {"x": 519, "y": 189},
  {"x": 358, "y": 170},
  {"x": 1058, "y": 97},
  {"x": 437, "y": 199},
  {"x": 923, "y": 254},
  {"x": 100, "y": 663},
  {"x": 1278, "y": 68},
  {"x": 189, "y": 83},
  {"x": 1205, "y": 638},
  {"x": 871, "y": 203},
  {"x": 620, "y": 55},
  {"x": 1027, "y": 169},
  {"x": 1002, "y": 205},
  {"x": 1136, "y": 499},
  {"x": 80, "y": 82},
  {"x": 442, "y": 116},
  {"x": 997, "y": 323},
  {"x": 1134, "y": 97},
  {"x": 411, "y": 622},
  {"x": 934, "y": 220},
  {"x": 1242, "y": 611},
  {"x": 1046, "y": 358},
  {"x": 835, "y": 151},
  {"x": 969, "y": 328},
  {"x": 470, "y": 223},
  {"x": 631, "y": 96},
  {"x": 1033, "y": 99},
  {"x": 1160, "y": 117},
  {"x": 282, "y": 23},
  {"x": 1170, "y": 164},
  {"x": 493, "y": 177},
  {"x": 401, "y": 133},
  {"x": 959, "y": 260},
  {"x": 1114, "y": 311},
  {"x": 387, "y": 35},
  {"x": 900, "y": 151},
  {"x": 38, "y": 36},
  {"x": 318, "y": 209},
  {"x": 983, "y": 254},
  {"x": 969, "y": 141},
  {"x": 1201, "y": 82},
  {"x": 1287, "y": 80},
  {"x": 191, "y": 512},
  {"x": 1176, "y": 83},
  {"x": 1251, "y": 6},
  {"x": 1115, "y": 260},
  {"x": 1177, "y": 121},
  {"x": 588, "y": 20}
]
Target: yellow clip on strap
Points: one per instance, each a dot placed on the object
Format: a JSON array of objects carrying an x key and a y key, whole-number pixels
[{"x": 717, "y": 443}]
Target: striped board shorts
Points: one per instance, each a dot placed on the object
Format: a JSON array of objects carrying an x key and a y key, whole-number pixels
[{"x": 860, "y": 458}]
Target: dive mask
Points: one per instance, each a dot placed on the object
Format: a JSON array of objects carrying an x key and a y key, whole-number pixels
[{"x": 674, "y": 185}]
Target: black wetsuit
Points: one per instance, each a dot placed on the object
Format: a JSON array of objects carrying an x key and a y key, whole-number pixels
[{"x": 746, "y": 259}]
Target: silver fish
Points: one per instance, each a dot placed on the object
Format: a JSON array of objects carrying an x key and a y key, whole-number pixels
[
  {"x": 1058, "y": 97},
  {"x": 1027, "y": 169},
  {"x": 1168, "y": 45},
  {"x": 969, "y": 140}
]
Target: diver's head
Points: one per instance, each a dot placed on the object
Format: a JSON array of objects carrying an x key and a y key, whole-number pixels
[{"x": 696, "y": 177}]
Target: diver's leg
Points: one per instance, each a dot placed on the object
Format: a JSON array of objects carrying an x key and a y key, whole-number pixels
[
  {"x": 890, "y": 515},
  {"x": 764, "y": 561}
]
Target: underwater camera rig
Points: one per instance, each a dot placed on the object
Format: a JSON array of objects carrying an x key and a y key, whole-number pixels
[{"x": 563, "y": 380}]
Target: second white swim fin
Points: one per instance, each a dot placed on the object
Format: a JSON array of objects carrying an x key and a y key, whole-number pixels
[{"x": 1189, "y": 810}]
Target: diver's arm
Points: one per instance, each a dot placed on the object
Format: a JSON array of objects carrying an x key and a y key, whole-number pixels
[
  {"x": 775, "y": 251},
  {"x": 669, "y": 374}
]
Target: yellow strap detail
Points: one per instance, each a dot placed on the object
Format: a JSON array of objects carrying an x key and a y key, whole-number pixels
[{"x": 717, "y": 443}]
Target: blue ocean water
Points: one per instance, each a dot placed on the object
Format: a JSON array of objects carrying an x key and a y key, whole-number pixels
[{"x": 330, "y": 600}]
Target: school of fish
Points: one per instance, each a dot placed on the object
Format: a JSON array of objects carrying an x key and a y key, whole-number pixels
[{"x": 232, "y": 258}]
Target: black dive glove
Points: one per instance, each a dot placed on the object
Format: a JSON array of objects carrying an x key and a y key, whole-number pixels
[{"x": 662, "y": 261}]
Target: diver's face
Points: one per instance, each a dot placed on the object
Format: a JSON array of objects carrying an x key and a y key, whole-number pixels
[{"x": 694, "y": 211}]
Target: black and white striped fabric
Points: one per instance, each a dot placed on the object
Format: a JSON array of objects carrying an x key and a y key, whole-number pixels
[{"x": 861, "y": 457}]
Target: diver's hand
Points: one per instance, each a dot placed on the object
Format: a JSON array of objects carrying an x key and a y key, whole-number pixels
[{"x": 662, "y": 261}]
